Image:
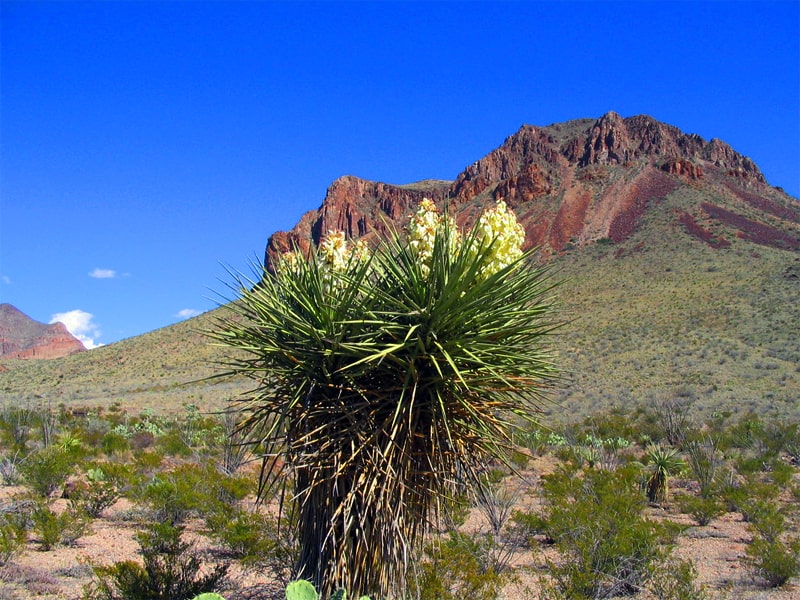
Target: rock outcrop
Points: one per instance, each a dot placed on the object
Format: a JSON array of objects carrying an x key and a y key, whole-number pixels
[
  {"x": 25, "y": 338},
  {"x": 570, "y": 184}
]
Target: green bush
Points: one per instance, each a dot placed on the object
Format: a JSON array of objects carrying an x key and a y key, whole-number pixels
[
  {"x": 457, "y": 567},
  {"x": 529, "y": 524},
  {"x": 702, "y": 509},
  {"x": 47, "y": 469},
  {"x": 765, "y": 518},
  {"x": 114, "y": 442},
  {"x": 250, "y": 537},
  {"x": 58, "y": 529},
  {"x": 674, "y": 579},
  {"x": 595, "y": 518},
  {"x": 171, "y": 570},
  {"x": 774, "y": 561},
  {"x": 95, "y": 494},
  {"x": 191, "y": 490},
  {"x": 13, "y": 535}
]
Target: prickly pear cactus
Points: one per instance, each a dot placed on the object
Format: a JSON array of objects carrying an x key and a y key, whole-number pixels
[
  {"x": 301, "y": 590},
  {"x": 208, "y": 596},
  {"x": 339, "y": 595}
]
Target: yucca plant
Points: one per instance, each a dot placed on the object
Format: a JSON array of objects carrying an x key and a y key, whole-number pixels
[
  {"x": 663, "y": 462},
  {"x": 385, "y": 381}
]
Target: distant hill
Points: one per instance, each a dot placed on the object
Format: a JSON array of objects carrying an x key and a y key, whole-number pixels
[
  {"x": 680, "y": 267},
  {"x": 22, "y": 337}
]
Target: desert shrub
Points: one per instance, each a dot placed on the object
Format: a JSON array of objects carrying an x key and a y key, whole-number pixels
[
  {"x": 773, "y": 561},
  {"x": 527, "y": 525},
  {"x": 114, "y": 442},
  {"x": 172, "y": 443},
  {"x": 200, "y": 433},
  {"x": 173, "y": 496},
  {"x": 13, "y": 535},
  {"x": 47, "y": 469},
  {"x": 96, "y": 493},
  {"x": 704, "y": 460},
  {"x": 457, "y": 567},
  {"x": 35, "y": 581},
  {"x": 701, "y": 508},
  {"x": 781, "y": 473},
  {"x": 92, "y": 429},
  {"x": 53, "y": 529},
  {"x": 170, "y": 570},
  {"x": 753, "y": 497},
  {"x": 674, "y": 579},
  {"x": 764, "y": 439},
  {"x": 615, "y": 424},
  {"x": 595, "y": 518},
  {"x": 251, "y": 537},
  {"x": 765, "y": 518},
  {"x": 191, "y": 489},
  {"x": 147, "y": 461},
  {"x": 495, "y": 501},
  {"x": 9, "y": 467},
  {"x": 141, "y": 440}
]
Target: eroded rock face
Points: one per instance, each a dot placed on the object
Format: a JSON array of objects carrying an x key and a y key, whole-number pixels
[
  {"x": 22, "y": 337},
  {"x": 569, "y": 183},
  {"x": 685, "y": 168}
]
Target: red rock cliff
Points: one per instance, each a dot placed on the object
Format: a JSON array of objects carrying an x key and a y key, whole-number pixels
[{"x": 22, "y": 337}]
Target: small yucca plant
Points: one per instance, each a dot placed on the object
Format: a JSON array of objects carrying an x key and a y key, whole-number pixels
[
  {"x": 385, "y": 382},
  {"x": 662, "y": 463}
]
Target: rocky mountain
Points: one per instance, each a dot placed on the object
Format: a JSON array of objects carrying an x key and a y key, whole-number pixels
[
  {"x": 577, "y": 183},
  {"x": 22, "y": 337}
]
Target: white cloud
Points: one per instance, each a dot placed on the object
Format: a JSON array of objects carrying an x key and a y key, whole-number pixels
[
  {"x": 103, "y": 273},
  {"x": 188, "y": 313},
  {"x": 5, "y": 279},
  {"x": 80, "y": 324}
]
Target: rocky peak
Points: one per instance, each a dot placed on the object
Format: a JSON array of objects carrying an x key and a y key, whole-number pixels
[
  {"x": 569, "y": 183},
  {"x": 357, "y": 207},
  {"x": 23, "y": 337}
]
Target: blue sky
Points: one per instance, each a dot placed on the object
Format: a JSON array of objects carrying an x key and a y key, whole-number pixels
[{"x": 147, "y": 145}]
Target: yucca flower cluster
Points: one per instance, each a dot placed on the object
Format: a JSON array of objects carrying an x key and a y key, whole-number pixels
[
  {"x": 335, "y": 252},
  {"x": 499, "y": 231},
  {"x": 423, "y": 228},
  {"x": 385, "y": 382}
]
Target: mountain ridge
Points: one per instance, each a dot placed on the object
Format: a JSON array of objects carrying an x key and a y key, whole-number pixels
[{"x": 570, "y": 183}]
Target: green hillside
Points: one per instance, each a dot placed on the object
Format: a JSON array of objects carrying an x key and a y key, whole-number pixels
[
  {"x": 673, "y": 318},
  {"x": 661, "y": 316}
]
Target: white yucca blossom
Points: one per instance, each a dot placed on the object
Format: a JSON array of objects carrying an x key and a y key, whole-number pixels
[
  {"x": 334, "y": 251},
  {"x": 498, "y": 226},
  {"x": 422, "y": 231}
]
